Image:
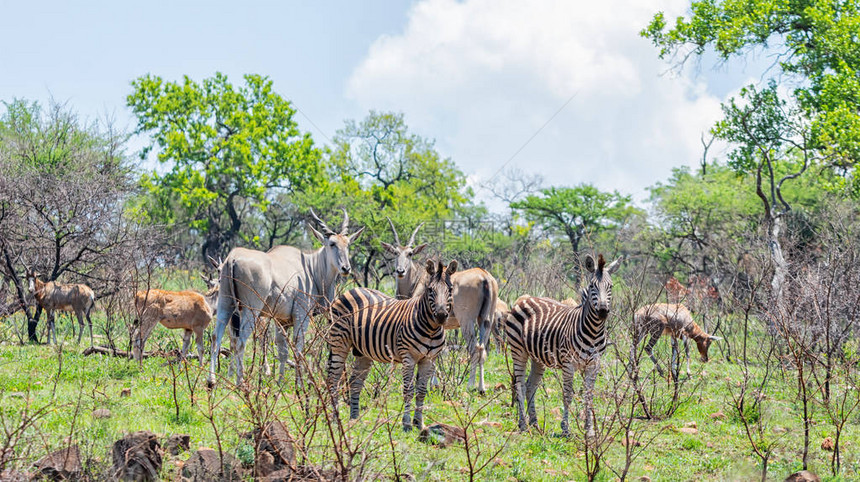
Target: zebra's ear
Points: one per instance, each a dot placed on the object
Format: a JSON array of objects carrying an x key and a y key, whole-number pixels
[
  {"x": 589, "y": 263},
  {"x": 452, "y": 268},
  {"x": 431, "y": 267},
  {"x": 613, "y": 267}
]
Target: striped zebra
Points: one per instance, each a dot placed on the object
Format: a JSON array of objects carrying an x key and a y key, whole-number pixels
[
  {"x": 376, "y": 327},
  {"x": 556, "y": 335}
]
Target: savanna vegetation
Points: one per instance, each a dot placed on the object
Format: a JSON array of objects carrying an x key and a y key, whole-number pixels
[{"x": 762, "y": 244}]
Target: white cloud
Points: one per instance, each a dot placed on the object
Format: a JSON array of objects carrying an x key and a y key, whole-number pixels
[{"x": 482, "y": 76}]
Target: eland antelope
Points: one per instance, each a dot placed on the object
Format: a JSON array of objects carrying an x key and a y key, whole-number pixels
[
  {"x": 285, "y": 284},
  {"x": 475, "y": 295},
  {"x": 376, "y": 327},
  {"x": 556, "y": 335}
]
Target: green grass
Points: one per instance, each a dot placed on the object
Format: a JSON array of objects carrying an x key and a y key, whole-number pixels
[{"x": 719, "y": 451}]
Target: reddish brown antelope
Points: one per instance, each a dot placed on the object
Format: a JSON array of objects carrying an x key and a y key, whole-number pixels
[
  {"x": 674, "y": 320},
  {"x": 176, "y": 310},
  {"x": 51, "y": 296}
]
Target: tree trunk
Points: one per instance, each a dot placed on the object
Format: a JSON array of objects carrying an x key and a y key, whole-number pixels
[{"x": 780, "y": 267}]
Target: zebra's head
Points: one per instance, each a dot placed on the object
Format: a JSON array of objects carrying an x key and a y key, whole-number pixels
[
  {"x": 438, "y": 289},
  {"x": 403, "y": 254},
  {"x": 598, "y": 294}
]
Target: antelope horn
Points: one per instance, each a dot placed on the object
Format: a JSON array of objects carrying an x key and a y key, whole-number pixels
[
  {"x": 412, "y": 238},
  {"x": 326, "y": 229},
  {"x": 345, "y": 225},
  {"x": 394, "y": 230}
]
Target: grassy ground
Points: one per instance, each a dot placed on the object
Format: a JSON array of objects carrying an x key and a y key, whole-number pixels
[{"x": 69, "y": 386}]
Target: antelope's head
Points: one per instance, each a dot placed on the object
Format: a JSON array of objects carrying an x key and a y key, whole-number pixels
[
  {"x": 336, "y": 244},
  {"x": 438, "y": 289},
  {"x": 598, "y": 294},
  {"x": 403, "y": 254}
]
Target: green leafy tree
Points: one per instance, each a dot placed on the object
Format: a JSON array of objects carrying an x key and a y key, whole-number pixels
[
  {"x": 228, "y": 152},
  {"x": 575, "y": 212},
  {"x": 777, "y": 139},
  {"x": 378, "y": 169}
]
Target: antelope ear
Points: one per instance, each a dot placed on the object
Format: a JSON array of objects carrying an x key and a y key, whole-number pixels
[
  {"x": 419, "y": 248},
  {"x": 589, "y": 263},
  {"x": 390, "y": 248},
  {"x": 431, "y": 267},
  {"x": 320, "y": 236},
  {"x": 452, "y": 268},
  {"x": 355, "y": 235},
  {"x": 613, "y": 267},
  {"x": 715, "y": 338}
]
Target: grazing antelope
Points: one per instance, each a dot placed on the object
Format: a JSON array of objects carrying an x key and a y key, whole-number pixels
[
  {"x": 177, "y": 310},
  {"x": 51, "y": 296},
  {"x": 552, "y": 334},
  {"x": 376, "y": 327},
  {"x": 475, "y": 296},
  {"x": 674, "y": 320},
  {"x": 284, "y": 284}
]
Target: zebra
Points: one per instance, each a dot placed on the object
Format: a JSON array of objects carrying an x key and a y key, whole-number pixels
[
  {"x": 556, "y": 335},
  {"x": 475, "y": 295},
  {"x": 377, "y": 327}
]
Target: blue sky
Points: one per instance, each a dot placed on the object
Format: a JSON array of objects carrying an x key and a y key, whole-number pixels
[{"x": 479, "y": 76}]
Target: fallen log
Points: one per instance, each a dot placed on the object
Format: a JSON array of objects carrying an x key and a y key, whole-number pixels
[{"x": 106, "y": 350}]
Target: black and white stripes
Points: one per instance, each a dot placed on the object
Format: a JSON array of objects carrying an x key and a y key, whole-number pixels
[
  {"x": 376, "y": 327},
  {"x": 555, "y": 335}
]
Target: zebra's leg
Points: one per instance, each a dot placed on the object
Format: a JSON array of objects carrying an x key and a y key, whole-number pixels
[
  {"x": 186, "y": 343},
  {"x": 408, "y": 376},
  {"x": 518, "y": 387},
  {"x": 532, "y": 385},
  {"x": 336, "y": 361},
  {"x": 356, "y": 382},
  {"x": 568, "y": 371},
  {"x": 426, "y": 367},
  {"x": 590, "y": 377}
]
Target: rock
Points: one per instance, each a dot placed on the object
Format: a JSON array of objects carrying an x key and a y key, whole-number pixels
[
  {"x": 691, "y": 425},
  {"x": 500, "y": 386},
  {"x": 828, "y": 444},
  {"x": 489, "y": 423},
  {"x": 16, "y": 395},
  {"x": 644, "y": 478},
  {"x": 275, "y": 450},
  {"x": 60, "y": 465},
  {"x": 177, "y": 443},
  {"x": 780, "y": 430},
  {"x": 101, "y": 413},
  {"x": 137, "y": 456},
  {"x": 125, "y": 392},
  {"x": 205, "y": 465},
  {"x": 442, "y": 434},
  {"x": 279, "y": 476},
  {"x": 630, "y": 440},
  {"x": 689, "y": 430},
  {"x": 718, "y": 415},
  {"x": 803, "y": 476}
]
